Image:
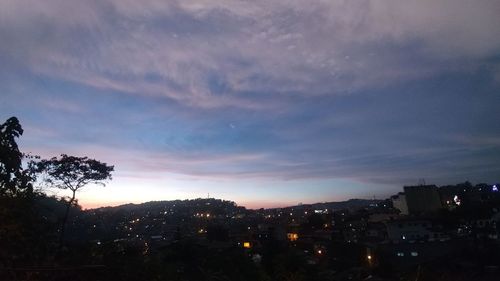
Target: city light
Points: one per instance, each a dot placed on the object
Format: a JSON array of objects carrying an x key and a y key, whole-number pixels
[{"x": 292, "y": 236}]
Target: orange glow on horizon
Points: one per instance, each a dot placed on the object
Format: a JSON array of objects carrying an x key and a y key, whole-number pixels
[
  {"x": 95, "y": 205},
  {"x": 88, "y": 204}
]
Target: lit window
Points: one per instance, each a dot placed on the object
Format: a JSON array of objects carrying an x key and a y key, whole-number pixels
[
  {"x": 292, "y": 236},
  {"x": 247, "y": 245},
  {"x": 414, "y": 254}
]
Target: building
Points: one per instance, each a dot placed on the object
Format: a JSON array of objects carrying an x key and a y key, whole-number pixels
[
  {"x": 399, "y": 202},
  {"x": 409, "y": 231},
  {"x": 422, "y": 199},
  {"x": 407, "y": 255},
  {"x": 381, "y": 217}
]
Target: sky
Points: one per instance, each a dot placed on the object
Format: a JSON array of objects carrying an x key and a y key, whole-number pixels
[{"x": 266, "y": 103}]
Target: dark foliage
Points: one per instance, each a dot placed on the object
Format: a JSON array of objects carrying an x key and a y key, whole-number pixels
[
  {"x": 14, "y": 180},
  {"x": 73, "y": 173}
]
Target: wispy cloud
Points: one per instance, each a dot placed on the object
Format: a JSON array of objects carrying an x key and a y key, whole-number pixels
[{"x": 206, "y": 53}]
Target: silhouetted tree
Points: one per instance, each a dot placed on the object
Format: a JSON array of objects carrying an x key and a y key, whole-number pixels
[
  {"x": 73, "y": 173},
  {"x": 14, "y": 180},
  {"x": 24, "y": 227}
]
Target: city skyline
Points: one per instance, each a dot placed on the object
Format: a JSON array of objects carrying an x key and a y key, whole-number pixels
[{"x": 265, "y": 104}]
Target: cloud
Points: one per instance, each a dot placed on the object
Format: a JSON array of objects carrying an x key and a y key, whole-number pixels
[
  {"x": 373, "y": 91},
  {"x": 209, "y": 53},
  {"x": 62, "y": 105}
]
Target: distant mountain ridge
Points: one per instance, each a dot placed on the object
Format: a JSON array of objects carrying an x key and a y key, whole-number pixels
[{"x": 337, "y": 205}]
